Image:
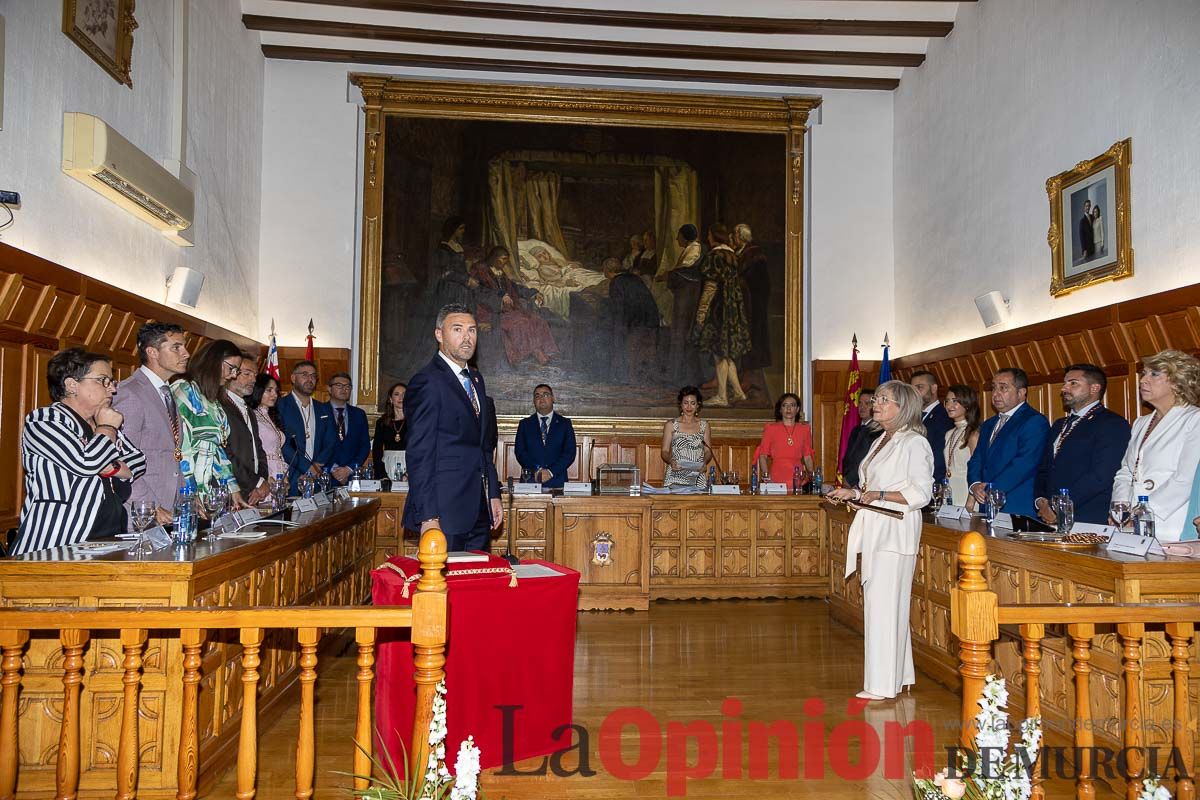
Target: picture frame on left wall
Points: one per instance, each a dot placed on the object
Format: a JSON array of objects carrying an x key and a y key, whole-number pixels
[
  {"x": 1089, "y": 234},
  {"x": 104, "y": 30}
]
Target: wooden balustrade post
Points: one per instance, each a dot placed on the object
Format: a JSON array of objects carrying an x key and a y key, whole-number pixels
[
  {"x": 365, "y": 637},
  {"x": 1081, "y": 639},
  {"x": 1180, "y": 634},
  {"x": 67, "y": 770},
  {"x": 133, "y": 642},
  {"x": 1031, "y": 658},
  {"x": 12, "y": 645},
  {"x": 1131, "y": 634},
  {"x": 306, "y": 751},
  {"x": 247, "y": 760},
  {"x": 429, "y": 641},
  {"x": 973, "y": 620},
  {"x": 188, "y": 765}
]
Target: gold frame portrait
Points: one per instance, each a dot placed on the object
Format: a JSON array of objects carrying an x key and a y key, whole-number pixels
[
  {"x": 385, "y": 95},
  {"x": 117, "y": 66},
  {"x": 1118, "y": 157}
]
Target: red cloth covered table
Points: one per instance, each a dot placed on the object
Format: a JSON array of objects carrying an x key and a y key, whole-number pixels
[{"x": 507, "y": 646}]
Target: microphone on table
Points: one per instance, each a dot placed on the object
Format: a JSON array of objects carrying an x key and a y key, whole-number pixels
[{"x": 509, "y": 556}]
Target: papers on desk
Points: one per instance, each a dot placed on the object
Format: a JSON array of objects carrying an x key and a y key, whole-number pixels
[
  {"x": 247, "y": 534},
  {"x": 101, "y": 548},
  {"x": 536, "y": 571},
  {"x": 651, "y": 489},
  {"x": 465, "y": 557}
]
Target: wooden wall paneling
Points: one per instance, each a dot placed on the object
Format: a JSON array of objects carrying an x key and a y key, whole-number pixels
[
  {"x": 1109, "y": 345},
  {"x": 1181, "y": 329},
  {"x": 1143, "y": 336},
  {"x": 12, "y": 362},
  {"x": 1077, "y": 348}
]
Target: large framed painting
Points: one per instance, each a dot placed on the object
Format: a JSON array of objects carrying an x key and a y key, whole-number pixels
[
  {"x": 1089, "y": 221},
  {"x": 616, "y": 245},
  {"x": 104, "y": 30}
]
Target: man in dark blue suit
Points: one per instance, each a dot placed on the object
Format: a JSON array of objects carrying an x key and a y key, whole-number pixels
[
  {"x": 546, "y": 440},
  {"x": 308, "y": 435},
  {"x": 452, "y": 481},
  {"x": 1084, "y": 450},
  {"x": 352, "y": 442},
  {"x": 934, "y": 417},
  {"x": 1010, "y": 444}
]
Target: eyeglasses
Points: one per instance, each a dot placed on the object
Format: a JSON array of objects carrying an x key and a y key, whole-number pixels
[
  {"x": 234, "y": 368},
  {"x": 339, "y": 385},
  {"x": 876, "y": 400},
  {"x": 104, "y": 380}
]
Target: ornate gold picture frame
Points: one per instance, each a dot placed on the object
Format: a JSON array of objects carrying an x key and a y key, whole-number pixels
[
  {"x": 389, "y": 97},
  {"x": 1089, "y": 234},
  {"x": 104, "y": 30}
]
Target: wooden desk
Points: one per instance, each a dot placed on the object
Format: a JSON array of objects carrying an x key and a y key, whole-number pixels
[
  {"x": 1022, "y": 572},
  {"x": 666, "y": 546},
  {"x": 326, "y": 561}
]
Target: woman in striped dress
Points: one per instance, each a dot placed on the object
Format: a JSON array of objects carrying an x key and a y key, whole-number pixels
[
  {"x": 203, "y": 426},
  {"x": 78, "y": 465}
]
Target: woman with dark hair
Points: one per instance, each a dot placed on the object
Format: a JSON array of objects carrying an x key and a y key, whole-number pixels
[
  {"x": 78, "y": 465},
  {"x": 262, "y": 402},
  {"x": 685, "y": 445},
  {"x": 962, "y": 404},
  {"x": 786, "y": 443},
  {"x": 391, "y": 429},
  {"x": 722, "y": 328},
  {"x": 203, "y": 426},
  {"x": 506, "y": 305}
]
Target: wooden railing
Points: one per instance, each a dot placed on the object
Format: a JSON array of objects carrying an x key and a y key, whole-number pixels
[
  {"x": 74, "y": 626},
  {"x": 976, "y": 617}
]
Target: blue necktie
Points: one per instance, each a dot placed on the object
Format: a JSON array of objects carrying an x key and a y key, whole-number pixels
[
  {"x": 466, "y": 382},
  {"x": 545, "y": 428}
]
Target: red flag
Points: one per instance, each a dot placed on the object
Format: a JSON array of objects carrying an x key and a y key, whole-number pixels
[
  {"x": 849, "y": 405},
  {"x": 308, "y": 348},
  {"x": 273, "y": 355}
]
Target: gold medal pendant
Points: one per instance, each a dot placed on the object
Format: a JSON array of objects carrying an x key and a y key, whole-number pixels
[{"x": 790, "y": 442}]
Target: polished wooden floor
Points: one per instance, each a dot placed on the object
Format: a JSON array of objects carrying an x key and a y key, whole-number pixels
[{"x": 679, "y": 661}]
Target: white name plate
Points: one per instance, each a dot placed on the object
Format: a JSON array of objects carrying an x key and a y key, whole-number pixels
[
  {"x": 245, "y": 516},
  {"x": 158, "y": 536},
  {"x": 773, "y": 488},
  {"x": 723, "y": 488},
  {"x": 321, "y": 498},
  {"x": 399, "y": 486},
  {"x": 953, "y": 512},
  {"x": 527, "y": 488},
  {"x": 226, "y": 522},
  {"x": 305, "y": 504},
  {"x": 577, "y": 487},
  {"x": 1091, "y": 527},
  {"x": 1003, "y": 521},
  {"x": 1134, "y": 545},
  {"x": 365, "y": 486},
  {"x": 344, "y": 494}
]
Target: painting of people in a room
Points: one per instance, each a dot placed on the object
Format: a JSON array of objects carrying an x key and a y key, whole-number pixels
[{"x": 615, "y": 264}]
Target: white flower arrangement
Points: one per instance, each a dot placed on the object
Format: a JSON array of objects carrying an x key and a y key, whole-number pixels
[
  {"x": 389, "y": 783},
  {"x": 1007, "y": 777}
]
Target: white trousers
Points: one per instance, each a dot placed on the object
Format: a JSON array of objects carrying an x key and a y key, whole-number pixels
[{"x": 887, "y": 658}]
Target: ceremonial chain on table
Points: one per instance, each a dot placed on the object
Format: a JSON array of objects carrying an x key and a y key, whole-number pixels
[
  {"x": 862, "y": 468},
  {"x": 1149, "y": 484},
  {"x": 411, "y": 579},
  {"x": 1069, "y": 428}
]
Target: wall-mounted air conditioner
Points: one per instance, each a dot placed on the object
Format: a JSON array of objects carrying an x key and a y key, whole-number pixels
[{"x": 103, "y": 160}]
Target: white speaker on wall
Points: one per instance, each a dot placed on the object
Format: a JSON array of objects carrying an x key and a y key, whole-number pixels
[
  {"x": 993, "y": 309},
  {"x": 183, "y": 287}
]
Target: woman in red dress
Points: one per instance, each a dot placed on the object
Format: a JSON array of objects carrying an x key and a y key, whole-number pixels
[{"x": 786, "y": 443}]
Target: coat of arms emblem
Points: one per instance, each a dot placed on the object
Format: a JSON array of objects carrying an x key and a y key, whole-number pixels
[{"x": 602, "y": 549}]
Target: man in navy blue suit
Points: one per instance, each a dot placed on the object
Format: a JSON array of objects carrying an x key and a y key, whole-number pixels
[
  {"x": 545, "y": 440},
  {"x": 308, "y": 435},
  {"x": 352, "y": 443},
  {"x": 1085, "y": 448},
  {"x": 452, "y": 481},
  {"x": 934, "y": 417},
  {"x": 1010, "y": 445}
]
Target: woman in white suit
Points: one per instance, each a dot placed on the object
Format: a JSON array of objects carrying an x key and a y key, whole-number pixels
[
  {"x": 896, "y": 474},
  {"x": 1164, "y": 449}
]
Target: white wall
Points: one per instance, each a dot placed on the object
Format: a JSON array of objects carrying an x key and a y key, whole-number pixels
[
  {"x": 62, "y": 220},
  {"x": 1020, "y": 91},
  {"x": 310, "y": 194}
]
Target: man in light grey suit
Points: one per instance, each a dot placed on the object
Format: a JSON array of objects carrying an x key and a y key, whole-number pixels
[{"x": 151, "y": 419}]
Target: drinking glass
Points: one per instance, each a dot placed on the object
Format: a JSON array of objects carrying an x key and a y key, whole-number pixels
[
  {"x": 142, "y": 514},
  {"x": 732, "y": 478},
  {"x": 1120, "y": 513},
  {"x": 995, "y": 501},
  {"x": 936, "y": 496},
  {"x": 1064, "y": 513}
]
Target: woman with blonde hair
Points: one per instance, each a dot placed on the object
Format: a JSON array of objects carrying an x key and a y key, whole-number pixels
[
  {"x": 897, "y": 474},
  {"x": 1164, "y": 448}
]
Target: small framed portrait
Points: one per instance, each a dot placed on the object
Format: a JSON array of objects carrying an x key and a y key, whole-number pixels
[
  {"x": 104, "y": 30},
  {"x": 1089, "y": 221}
]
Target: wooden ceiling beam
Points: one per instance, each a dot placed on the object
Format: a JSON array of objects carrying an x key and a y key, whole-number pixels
[
  {"x": 620, "y": 18},
  {"x": 443, "y": 38},
  {"x": 291, "y": 53}
]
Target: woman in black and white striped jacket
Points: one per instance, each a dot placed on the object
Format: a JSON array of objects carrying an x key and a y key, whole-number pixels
[{"x": 77, "y": 463}]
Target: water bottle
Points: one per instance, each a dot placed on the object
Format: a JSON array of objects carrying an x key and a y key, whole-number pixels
[
  {"x": 1143, "y": 517},
  {"x": 754, "y": 480},
  {"x": 796, "y": 479},
  {"x": 1064, "y": 508},
  {"x": 368, "y": 471},
  {"x": 947, "y": 493},
  {"x": 398, "y": 473},
  {"x": 985, "y": 506},
  {"x": 712, "y": 478},
  {"x": 818, "y": 482},
  {"x": 325, "y": 480},
  {"x": 184, "y": 512},
  {"x": 279, "y": 492},
  {"x": 305, "y": 484}
]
